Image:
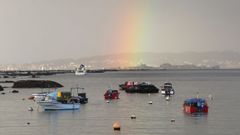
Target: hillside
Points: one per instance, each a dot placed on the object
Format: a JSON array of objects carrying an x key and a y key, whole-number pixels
[{"x": 208, "y": 59}]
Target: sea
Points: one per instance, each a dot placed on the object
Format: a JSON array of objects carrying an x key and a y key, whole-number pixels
[{"x": 159, "y": 118}]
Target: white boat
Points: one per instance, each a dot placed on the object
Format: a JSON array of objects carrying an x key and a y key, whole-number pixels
[
  {"x": 81, "y": 70},
  {"x": 40, "y": 96},
  {"x": 50, "y": 102},
  {"x": 55, "y": 105},
  {"x": 167, "y": 89}
]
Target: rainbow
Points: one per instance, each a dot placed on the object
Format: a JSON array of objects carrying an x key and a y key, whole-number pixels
[{"x": 133, "y": 34}]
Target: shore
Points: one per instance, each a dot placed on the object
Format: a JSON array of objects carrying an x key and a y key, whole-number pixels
[{"x": 37, "y": 73}]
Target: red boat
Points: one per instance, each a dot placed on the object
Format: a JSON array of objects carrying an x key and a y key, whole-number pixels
[
  {"x": 195, "y": 105},
  {"x": 127, "y": 85},
  {"x": 111, "y": 94}
]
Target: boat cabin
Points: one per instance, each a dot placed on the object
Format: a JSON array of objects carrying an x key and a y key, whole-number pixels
[{"x": 167, "y": 85}]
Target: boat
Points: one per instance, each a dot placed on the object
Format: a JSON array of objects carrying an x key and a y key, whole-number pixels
[
  {"x": 81, "y": 70},
  {"x": 195, "y": 105},
  {"x": 144, "y": 87},
  {"x": 63, "y": 100},
  {"x": 58, "y": 101},
  {"x": 39, "y": 96},
  {"x": 111, "y": 94},
  {"x": 128, "y": 85},
  {"x": 81, "y": 96},
  {"x": 167, "y": 89}
]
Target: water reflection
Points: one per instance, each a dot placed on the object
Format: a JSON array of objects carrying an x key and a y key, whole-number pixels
[
  {"x": 195, "y": 123},
  {"x": 54, "y": 120}
]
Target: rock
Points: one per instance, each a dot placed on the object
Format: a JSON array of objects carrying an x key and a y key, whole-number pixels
[
  {"x": 15, "y": 91},
  {"x": 1, "y": 88},
  {"x": 36, "y": 84}
]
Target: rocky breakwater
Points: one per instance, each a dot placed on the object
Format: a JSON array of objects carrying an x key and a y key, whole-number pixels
[{"x": 36, "y": 84}]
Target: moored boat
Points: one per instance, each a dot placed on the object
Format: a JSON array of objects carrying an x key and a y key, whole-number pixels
[
  {"x": 111, "y": 94},
  {"x": 55, "y": 101},
  {"x": 63, "y": 100},
  {"x": 144, "y": 87},
  {"x": 195, "y": 105},
  {"x": 81, "y": 70},
  {"x": 167, "y": 89},
  {"x": 128, "y": 85},
  {"x": 81, "y": 96}
]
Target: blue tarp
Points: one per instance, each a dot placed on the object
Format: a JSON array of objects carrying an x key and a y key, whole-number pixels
[
  {"x": 53, "y": 94},
  {"x": 195, "y": 100}
]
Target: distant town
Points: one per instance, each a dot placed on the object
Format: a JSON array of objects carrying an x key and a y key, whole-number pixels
[{"x": 149, "y": 61}]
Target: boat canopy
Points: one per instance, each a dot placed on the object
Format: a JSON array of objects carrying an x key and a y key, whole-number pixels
[
  {"x": 111, "y": 90},
  {"x": 168, "y": 83},
  {"x": 195, "y": 100}
]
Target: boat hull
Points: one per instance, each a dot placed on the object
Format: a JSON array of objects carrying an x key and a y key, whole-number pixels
[
  {"x": 192, "y": 109},
  {"x": 172, "y": 92},
  {"x": 80, "y": 73},
  {"x": 58, "y": 106},
  {"x": 114, "y": 95}
]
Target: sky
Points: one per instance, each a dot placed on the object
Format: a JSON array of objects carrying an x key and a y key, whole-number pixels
[{"x": 39, "y": 30}]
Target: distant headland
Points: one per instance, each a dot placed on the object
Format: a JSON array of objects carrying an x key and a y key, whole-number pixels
[
  {"x": 184, "y": 60},
  {"x": 141, "y": 67}
]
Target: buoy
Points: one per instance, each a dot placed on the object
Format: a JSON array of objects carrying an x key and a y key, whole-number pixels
[
  {"x": 116, "y": 126},
  {"x": 133, "y": 116},
  {"x": 28, "y": 123},
  {"x": 107, "y": 101},
  {"x": 150, "y": 102},
  {"x": 210, "y": 97},
  {"x": 30, "y": 109},
  {"x": 172, "y": 120}
]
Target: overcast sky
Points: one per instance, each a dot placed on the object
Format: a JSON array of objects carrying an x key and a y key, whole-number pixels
[{"x": 36, "y": 30}]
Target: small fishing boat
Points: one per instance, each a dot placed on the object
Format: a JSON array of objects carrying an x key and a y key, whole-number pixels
[
  {"x": 195, "y": 105},
  {"x": 111, "y": 94},
  {"x": 39, "y": 96},
  {"x": 81, "y": 70},
  {"x": 55, "y": 101},
  {"x": 127, "y": 85},
  {"x": 144, "y": 87},
  {"x": 81, "y": 96},
  {"x": 167, "y": 89},
  {"x": 63, "y": 100}
]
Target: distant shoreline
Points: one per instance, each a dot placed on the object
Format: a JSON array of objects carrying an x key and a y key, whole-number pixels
[{"x": 53, "y": 72}]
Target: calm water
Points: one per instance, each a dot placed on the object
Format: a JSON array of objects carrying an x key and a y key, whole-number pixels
[{"x": 97, "y": 117}]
